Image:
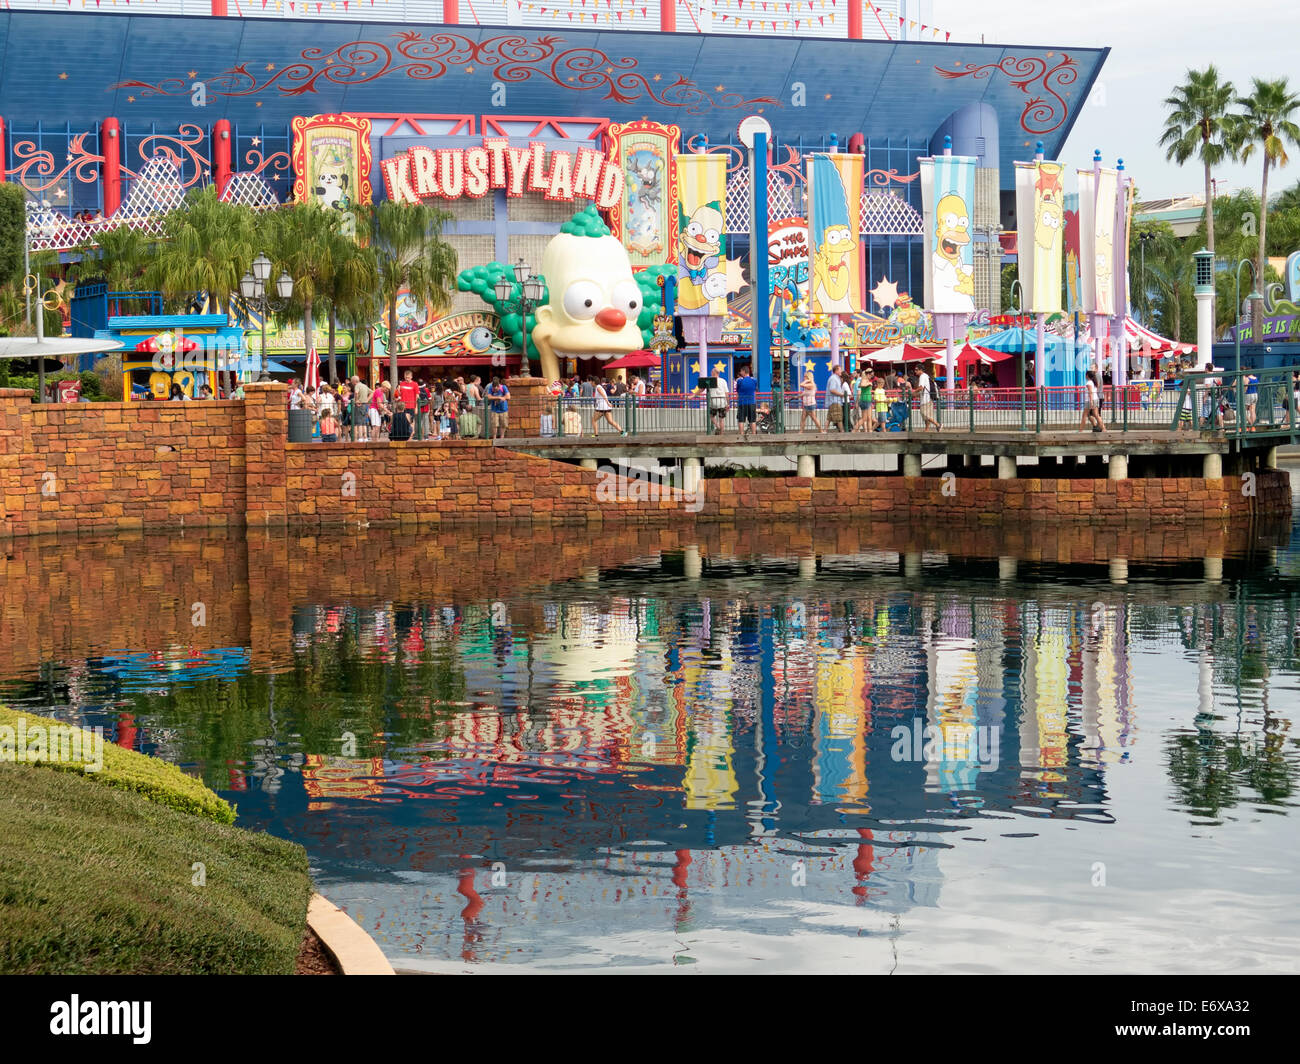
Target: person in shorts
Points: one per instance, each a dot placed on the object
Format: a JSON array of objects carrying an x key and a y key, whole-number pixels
[
  {"x": 498, "y": 395},
  {"x": 925, "y": 398},
  {"x": 746, "y": 402},
  {"x": 717, "y": 400}
]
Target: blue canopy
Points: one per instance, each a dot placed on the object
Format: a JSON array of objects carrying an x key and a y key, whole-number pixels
[{"x": 1015, "y": 340}]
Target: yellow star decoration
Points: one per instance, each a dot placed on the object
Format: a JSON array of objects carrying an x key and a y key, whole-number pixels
[
  {"x": 259, "y": 103},
  {"x": 717, "y": 88},
  {"x": 828, "y": 96},
  {"x": 271, "y": 66},
  {"x": 695, "y": 366},
  {"x": 469, "y": 70},
  {"x": 719, "y": 368},
  {"x": 130, "y": 99},
  {"x": 63, "y": 77},
  {"x": 657, "y": 77},
  {"x": 192, "y": 74}
]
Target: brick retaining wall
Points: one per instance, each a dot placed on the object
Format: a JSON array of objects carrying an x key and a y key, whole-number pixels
[{"x": 162, "y": 465}]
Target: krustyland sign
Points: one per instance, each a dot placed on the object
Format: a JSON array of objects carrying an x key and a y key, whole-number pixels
[{"x": 449, "y": 173}]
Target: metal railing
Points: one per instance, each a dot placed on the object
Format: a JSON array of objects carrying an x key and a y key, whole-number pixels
[{"x": 1229, "y": 404}]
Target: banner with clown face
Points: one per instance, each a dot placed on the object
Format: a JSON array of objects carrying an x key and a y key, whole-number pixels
[
  {"x": 834, "y": 217},
  {"x": 1040, "y": 234},
  {"x": 701, "y": 242},
  {"x": 948, "y": 194}
]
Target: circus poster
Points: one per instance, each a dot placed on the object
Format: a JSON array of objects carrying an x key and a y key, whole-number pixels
[
  {"x": 331, "y": 161},
  {"x": 645, "y": 217}
]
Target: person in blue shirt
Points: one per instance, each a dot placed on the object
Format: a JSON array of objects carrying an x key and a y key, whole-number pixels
[
  {"x": 1252, "y": 400},
  {"x": 746, "y": 402},
  {"x": 499, "y": 408}
]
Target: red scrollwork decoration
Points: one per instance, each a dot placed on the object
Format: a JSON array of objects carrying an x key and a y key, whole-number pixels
[
  {"x": 426, "y": 58},
  {"x": 178, "y": 150},
  {"x": 37, "y": 164},
  {"x": 1025, "y": 71}
]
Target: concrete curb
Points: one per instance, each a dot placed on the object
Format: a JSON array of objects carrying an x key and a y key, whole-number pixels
[{"x": 353, "y": 949}]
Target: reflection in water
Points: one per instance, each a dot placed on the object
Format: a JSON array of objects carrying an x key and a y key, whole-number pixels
[{"x": 804, "y": 749}]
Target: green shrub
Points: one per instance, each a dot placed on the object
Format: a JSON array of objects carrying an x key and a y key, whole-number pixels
[
  {"x": 152, "y": 779},
  {"x": 98, "y": 881}
]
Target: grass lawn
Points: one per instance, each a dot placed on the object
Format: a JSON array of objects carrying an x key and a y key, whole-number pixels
[{"x": 99, "y": 879}]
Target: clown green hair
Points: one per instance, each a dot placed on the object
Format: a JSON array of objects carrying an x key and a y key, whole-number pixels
[{"x": 587, "y": 222}]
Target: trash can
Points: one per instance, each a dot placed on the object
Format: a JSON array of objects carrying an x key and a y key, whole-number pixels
[{"x": 300, "y": 426}]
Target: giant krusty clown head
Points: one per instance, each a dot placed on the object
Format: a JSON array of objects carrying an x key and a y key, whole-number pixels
[{"x": 594, "y": 299}]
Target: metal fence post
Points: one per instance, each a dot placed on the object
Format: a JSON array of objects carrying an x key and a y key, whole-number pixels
[
  {"x": 970, "y": 392},
  {"x": 1038, "y": 410}
]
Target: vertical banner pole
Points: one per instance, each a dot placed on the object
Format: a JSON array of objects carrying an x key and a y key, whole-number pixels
[{"x": 761, "y": 315}]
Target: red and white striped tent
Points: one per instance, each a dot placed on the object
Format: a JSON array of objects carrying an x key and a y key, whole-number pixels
[{"x": 1138, "y": 338}]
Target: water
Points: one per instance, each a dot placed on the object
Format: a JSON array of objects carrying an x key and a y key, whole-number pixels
[{"x": 553, "y": 751}]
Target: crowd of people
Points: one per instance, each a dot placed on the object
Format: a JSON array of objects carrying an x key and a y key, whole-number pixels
[{"x": 416, "y": 409}]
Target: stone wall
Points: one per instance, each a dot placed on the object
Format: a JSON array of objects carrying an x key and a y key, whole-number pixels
[{"x": 139, "y": 465}]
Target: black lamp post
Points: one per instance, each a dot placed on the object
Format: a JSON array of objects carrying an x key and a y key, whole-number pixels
[
  {"x": 253, "y": 287},
  {"x": 531, "y": 287}
]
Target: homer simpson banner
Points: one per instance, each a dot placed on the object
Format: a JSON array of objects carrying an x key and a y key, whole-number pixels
[
  {"x": 701, "y": 263},
  {"x": 948, "y": 193},
  {"x": 1097, "y": 217},
  {"x": 1040, "y": 234},
  {"x": 834, "y": 212}
]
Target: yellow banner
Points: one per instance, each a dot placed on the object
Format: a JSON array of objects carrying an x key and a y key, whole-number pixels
[
  {"x": 835, "y": 215},
  {"x": 701, "y": 243}
]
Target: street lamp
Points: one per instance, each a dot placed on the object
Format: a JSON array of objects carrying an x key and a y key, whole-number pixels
[
  {"x": 1254, "y": 295},
  {"x": 531, "y": 287},
  {"x": 253, "y": 287}
]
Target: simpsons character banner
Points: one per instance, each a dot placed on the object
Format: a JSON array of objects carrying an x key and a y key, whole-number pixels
[
  {"x": 834, "y": 212},
  {"x": 701, "y": 259},
  {"x": 1040, "y": 236},
  {"x": 1098, "y": 205},
  {"x": 948, "y": 194}
]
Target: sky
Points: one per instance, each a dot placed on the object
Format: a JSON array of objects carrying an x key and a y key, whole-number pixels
[{"x": 1153, "y": 44}]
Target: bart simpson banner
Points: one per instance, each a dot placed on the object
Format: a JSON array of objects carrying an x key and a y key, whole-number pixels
[
  {"x": 834, "y": 212},
  {"x": 701, "y": 263},
  {"x": 1097, "y": 206},
  {"x": 948, "y": 193},
  {"x": 1040, "y": 213}
]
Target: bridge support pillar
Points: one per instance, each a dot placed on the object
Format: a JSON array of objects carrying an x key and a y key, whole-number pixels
[
  {"x": 911, "y": 465},
  {"x": 1048, "y": 465},
  {"x": 1006, "y": 568},
  {"x": 1006, "y": 467},
  {"x": 692, "y": 474},
  {"x": 1212, "y": 467},
  {"x": 1118, "y": 469},
  {"x": 912, "y": 564},
  {"x": 1119, "y": 570},
  {"x": 1214, "y": 570},
  {"x": 588, "y": 463},
  {"x": 691, "y": 563},
  {"x": 1270, "y": 458},
  {"x": 957, "y": 462},
  {"x": 806, "y": 466},
  {"x": 970, "y": 461}
]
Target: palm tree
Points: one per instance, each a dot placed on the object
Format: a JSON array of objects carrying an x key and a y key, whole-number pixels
[
  {"x": 352, "y": 290},
  {"x": 1171, "y": 275},
  {"x": 304, "y": 242},
  {"x": 411, "y": 255},
  {"x": 120, "y": 255},
  {"x": 1267, "y": 123},
  {"x": 208, "y": 247},
  {"x": 1199, "y": 124}
]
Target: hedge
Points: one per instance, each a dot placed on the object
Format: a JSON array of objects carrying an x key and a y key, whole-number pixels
[{"x": 152, "y": 779}]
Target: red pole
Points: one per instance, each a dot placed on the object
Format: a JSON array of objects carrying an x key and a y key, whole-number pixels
[
  {"x": 855, "y": 20},
  {"x": 110, "y": 136},
  {"x": 451, "y": 12},
  {"x": 218, "y": 8},
  {"x": 221, "y": 153},
  {"x": 668, "y": 16}
]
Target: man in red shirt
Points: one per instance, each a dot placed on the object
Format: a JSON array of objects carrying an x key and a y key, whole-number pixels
[{"x": 408, "y": 391}]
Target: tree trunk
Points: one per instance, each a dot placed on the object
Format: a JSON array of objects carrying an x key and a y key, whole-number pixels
[
  {"x": 1257, "y": 305},
  {"x": 1209, "y": 210},
  {"x": 306, "y": 335},
  {"x": 334, "y": 375},
  {"x": 392, "y": 342}
]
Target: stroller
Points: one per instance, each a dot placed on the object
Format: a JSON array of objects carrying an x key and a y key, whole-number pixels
[
  {"x": 766, "y": 424},
  {"x": 896, "y": 417}
]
